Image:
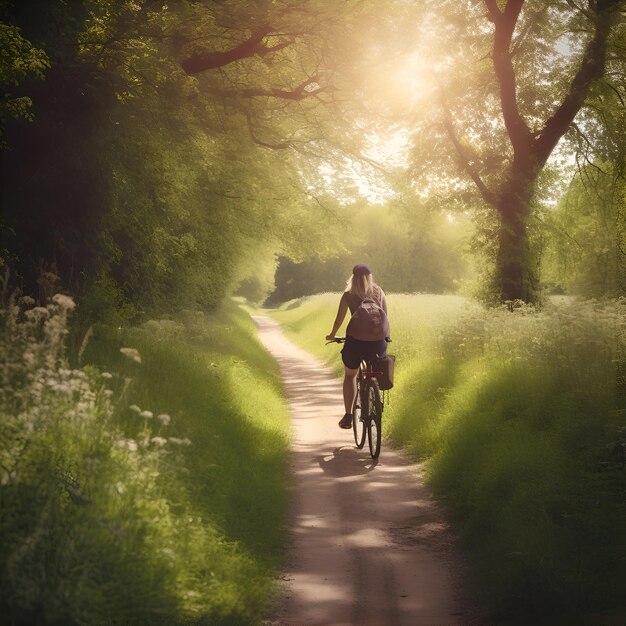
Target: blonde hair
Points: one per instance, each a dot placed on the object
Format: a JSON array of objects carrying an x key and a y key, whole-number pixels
[{"x": 361, "y": 285}]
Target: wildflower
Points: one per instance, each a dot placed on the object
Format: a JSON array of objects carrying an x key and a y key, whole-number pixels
[
  {"x": 132, "y": 354},
  {"x": 108, "y": 393},
  {"x": 120, "y": 488},
  {"x": 39, "y": 312},
  {"x": 180, "y": 442},
  {"x": 168, "y": 552},
  {"x": 146, "y": 414},
  {"x": 27, "y": 301},
  {"x": 65, "y": 302},
  {"x": 107, "y": 375},
  {"x": 131, "y": 444},
  {"x": 159, "y": 441},
  {"x": 164, "y": 418},
  {"x": 134, "y": 408}
]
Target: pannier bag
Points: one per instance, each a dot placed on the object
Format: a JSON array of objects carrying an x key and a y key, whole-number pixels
[
  {"x": 369, "y": 322},
  {"x": 385, "y": 365}
]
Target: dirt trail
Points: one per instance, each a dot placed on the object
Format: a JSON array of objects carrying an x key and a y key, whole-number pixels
[{"x": 368, "y": 544}]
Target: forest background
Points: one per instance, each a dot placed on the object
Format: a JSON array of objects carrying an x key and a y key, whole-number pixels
[{"x": 160, "y": 157}]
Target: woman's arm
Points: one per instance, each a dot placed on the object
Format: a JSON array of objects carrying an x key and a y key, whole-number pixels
[{"x": 341, "y": 314}]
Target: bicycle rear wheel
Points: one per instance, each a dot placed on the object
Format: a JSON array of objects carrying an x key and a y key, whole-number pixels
[
  {"x": 374, "y": 418},
  {"x": 358, "y": 423}
]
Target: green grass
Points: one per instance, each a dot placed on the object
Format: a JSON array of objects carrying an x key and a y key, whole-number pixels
[
  {"x": 515, "y": 415},
  {"x": 223, "y": 392},
  {"x": 159, "y": 501}
]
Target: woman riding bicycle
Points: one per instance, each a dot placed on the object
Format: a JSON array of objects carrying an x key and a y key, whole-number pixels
[{"x": 360, "y": 286}]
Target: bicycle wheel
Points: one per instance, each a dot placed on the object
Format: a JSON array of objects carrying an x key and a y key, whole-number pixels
[
  {"x": 374, "y": 418},
  {"x": 358, "y": 424}
]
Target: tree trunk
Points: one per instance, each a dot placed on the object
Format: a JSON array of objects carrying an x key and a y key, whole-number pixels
[{"x": 516, "y": 277}]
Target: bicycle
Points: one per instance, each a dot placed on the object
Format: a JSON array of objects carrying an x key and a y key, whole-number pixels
[{"x": 368, "y": 406}]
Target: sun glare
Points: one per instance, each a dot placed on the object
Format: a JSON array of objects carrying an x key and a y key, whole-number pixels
[
  {"x": 400, "y": 84},
  {"x": 389, "y": 148}
]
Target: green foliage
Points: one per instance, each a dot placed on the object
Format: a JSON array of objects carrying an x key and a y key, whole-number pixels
[
  {"x": 133, "y": 181},
  {"x": 113, "y": 513},
  {"x": 519, "y": 417},
  {"x": 585, "y": 252},
  {"x": 19, "y": 61},
  {"x": 411, "y": 247}
]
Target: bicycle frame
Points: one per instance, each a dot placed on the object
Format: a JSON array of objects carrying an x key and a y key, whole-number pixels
[{"x": 368, "y": 406}]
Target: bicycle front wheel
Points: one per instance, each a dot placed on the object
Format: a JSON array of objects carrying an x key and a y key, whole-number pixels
[
  {"x": 358, "y": 423},
  {"x": 374, "y": 418}
]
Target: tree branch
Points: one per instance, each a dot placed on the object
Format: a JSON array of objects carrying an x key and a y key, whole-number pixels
[
  {"x": 465, "y": 157},
  {"x": 283, "y": 145},
  {"x": 591, "y": 68},
  {"x": 505, "y": 21},
  {"x": 306, "y": 89},
  {"x": 211, "y": 59},
  {"x": 309, "y": 87}
]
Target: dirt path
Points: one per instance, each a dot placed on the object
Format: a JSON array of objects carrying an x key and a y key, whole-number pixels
[{"x": 368, "y": 544}]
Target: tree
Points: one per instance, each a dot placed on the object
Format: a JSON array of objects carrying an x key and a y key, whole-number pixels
[
  {"x": 138, "y": 183},
  {"x": 535, "y": 67},
  {"x": 502, "y": 123}
]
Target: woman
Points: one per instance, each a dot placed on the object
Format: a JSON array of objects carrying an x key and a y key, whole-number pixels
[{"x": 361, "y": 285}]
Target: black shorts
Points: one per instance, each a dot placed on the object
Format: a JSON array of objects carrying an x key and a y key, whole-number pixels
[{"x": 355, "y": 350}]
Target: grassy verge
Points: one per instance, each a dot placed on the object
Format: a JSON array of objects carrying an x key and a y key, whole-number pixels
[
  {"x": 517, "y": 416},
  {"x": 152, "y": 493}
]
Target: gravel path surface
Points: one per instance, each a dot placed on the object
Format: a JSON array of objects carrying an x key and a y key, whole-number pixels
[{"x": 368, "y": 543}]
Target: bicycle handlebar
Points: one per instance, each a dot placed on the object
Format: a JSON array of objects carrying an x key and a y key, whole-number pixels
[
  {"x": 336, "y": 340},
  {"x": 342, "y": 340}
]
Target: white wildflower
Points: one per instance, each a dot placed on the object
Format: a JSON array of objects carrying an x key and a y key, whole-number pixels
[
  {"x": 27, "y": 301},
  {"x": 39, "y": 312},
  {"x": 134, "y": 408},
  {"x": 175, "y": 440},
  {"x": 159, "y": 441},
  {"x": 131, "y": 444},
  {"x": 168, "y": 552},
  {"x": 146, "y": 414},
  {"x": 132, "y": 354},
  {"x": 65, "y": 302},
  {"x": 107, "y": 375},
  {"x": 108, "y": 393},
  {"x": 164, "y": 418},
  {"x": 120, "y": 487}
]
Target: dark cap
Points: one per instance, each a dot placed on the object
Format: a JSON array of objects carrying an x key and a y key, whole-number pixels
[{"x": 361, "y": 270}]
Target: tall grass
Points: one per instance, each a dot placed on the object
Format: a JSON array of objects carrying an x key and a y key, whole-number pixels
[
  {"x": 520, "y": 418},
  {"x": 147, "y": 487}
]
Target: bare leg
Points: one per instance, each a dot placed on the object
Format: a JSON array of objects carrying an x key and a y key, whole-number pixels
[{"x": 349, "y": 388}]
